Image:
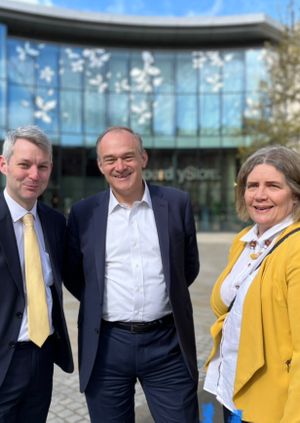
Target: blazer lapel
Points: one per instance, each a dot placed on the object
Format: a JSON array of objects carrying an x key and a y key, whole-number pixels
[
  {"x": 161, "y": 215},
  {"x": 47, "y": 230},
  {"x": 8, "y": 244},
  {"x": 49, "y": 237},
  {"x": 98, "y": 237}
]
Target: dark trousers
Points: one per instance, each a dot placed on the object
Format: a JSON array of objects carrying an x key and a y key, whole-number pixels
[
  {"x": 25, "y": 394},
  {"x": 155, "y": 359},
  {"x": 230, "y": 417}
]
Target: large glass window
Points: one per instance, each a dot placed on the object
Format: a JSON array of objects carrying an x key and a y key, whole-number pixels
[
  {"x": 164, "y": 115},
  {"x": 233, "y": 72},
  {"x": 71, "y": 67},
  {"x": 210, "y": 114},
  {"x": 94, "y": 112},
  {"x": 186, "y": 115},
  {"x": 165, "y": 63},
  {"x": 21, "y": 57},
  {"x": 118, "y": 72},
  {"x": 76, "y": 92},
  {"x": 118, "y": 110},
  {"x": 2, "y": 51},
  {"x": 186, "y": 104},
  {"x": 232, "y": 112},
  {"x": 2, "y": 77},
  {"x": 47, "y": 64},
  {"x": 211, "y": 72},
  {"x": 20, "y": 106},
  {"x": 255, "y": 69},
  {"x": 71, "y": 111},
  {"x": 2, "y": 103},
  {"x": 141, "y": 112},
  {"x": 186, "y": 77},
  {"x": 45, "y": 108}
]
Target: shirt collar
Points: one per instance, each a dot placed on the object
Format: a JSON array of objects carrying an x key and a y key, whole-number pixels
[
  {"x": 16, "y": 210},
  {"x": 114, "y": 203},
  {"x": 251, "y": 235}
]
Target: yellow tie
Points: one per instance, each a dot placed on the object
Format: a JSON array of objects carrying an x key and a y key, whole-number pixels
[{"x": 37, "y": 309}]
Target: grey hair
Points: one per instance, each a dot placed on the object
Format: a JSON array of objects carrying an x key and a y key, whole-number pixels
[
  {"x": 30, "y": 133},
  {"x": 283, "y": 159},
  {"x": 120, "y": 129}
]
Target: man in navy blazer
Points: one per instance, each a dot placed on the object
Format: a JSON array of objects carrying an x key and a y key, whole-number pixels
[
  {"x": 131, "y": 256},
  {"x": 26, "y": 369}
]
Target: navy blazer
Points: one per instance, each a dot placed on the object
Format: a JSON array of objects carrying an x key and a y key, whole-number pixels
[
  {"x": 12, "y": 299},
  {"x": 85, "y": 268}
]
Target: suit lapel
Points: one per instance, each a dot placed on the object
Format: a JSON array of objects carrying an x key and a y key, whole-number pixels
[
  {"x": 46, "y": 226},
  {"x": 8, "y": 244},
  {"x": 49, "y": 236},
  {"x": 161, "y": 215},
  {"x": 98, "y": 236}
]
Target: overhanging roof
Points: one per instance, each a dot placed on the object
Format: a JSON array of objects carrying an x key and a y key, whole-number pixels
[{"x": 67, "y": 25}]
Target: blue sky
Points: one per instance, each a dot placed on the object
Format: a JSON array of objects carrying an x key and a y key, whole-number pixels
[{"x": 278, "y": 9}]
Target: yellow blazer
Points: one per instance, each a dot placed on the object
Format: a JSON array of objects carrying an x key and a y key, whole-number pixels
[{"x": 267, "y": 381}]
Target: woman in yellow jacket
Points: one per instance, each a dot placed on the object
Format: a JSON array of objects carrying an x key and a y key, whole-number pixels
[{"x": 254, "y": 367}]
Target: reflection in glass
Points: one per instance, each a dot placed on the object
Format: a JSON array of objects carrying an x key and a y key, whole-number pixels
[
  {"x": 186, "y": 76},
  {"x": 20, "y": 106},
  {"x": 186, "y": 115},
  {"x": 2, "y": 102},
  {"x": 118, "y": 110},
  {"x": 232, "y": 114},
  {"x": 210, "y": 114},
  {"x": 94, "y": 112},
  {"x": 161, "y": 94},
  {"x": 71, "y": 111},
  {"x": 21, "y": 57},
  {"x": 233, "y": 72},
  {"x": 164, "y": 115}
]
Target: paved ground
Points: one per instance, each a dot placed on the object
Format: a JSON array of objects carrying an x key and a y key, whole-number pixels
[{"x": 68, "y": 405}]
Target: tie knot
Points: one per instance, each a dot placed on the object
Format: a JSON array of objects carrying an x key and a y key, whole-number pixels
[{"x": 28, "y": 219}]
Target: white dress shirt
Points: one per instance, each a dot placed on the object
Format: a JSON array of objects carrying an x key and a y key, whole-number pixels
[
  {"x": 221, "y": 371},
  {"x": 17, "y": 213},
  {"x": 135, "y": 288}
]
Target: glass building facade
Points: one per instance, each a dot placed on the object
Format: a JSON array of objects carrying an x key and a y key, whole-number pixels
[{"x": 187, "y": 103}]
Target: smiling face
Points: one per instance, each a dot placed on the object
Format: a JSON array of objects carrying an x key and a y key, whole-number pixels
[
  {"x": 121, "y": 161},
  {"x": 27, "y": 172},
  {"x": 268, "y": 197}
]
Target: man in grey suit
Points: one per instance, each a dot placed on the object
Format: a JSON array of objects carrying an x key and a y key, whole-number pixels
[
  {"x": 26, "y": 364},
  {"x": 131, "y": 256}
]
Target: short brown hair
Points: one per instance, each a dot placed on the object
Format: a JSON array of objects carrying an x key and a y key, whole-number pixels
[{"x": 285, "y": 160}]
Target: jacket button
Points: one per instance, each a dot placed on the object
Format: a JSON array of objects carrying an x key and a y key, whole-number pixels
[
  {"x": 97, "y": 331},
  {"x": 19, "y": 315}
]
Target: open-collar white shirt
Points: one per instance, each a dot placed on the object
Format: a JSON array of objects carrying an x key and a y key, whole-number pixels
[{"x": 135, "y": 287}]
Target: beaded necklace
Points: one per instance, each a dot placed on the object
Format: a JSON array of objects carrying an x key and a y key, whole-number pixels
[{"x": 253, "y": 244}]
